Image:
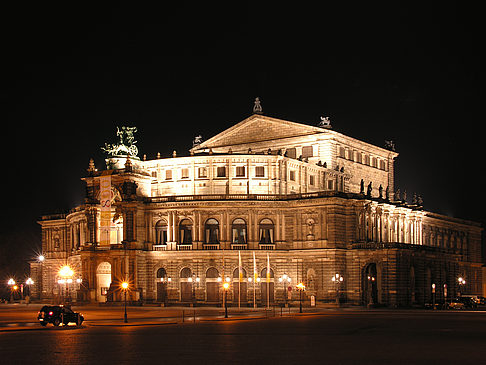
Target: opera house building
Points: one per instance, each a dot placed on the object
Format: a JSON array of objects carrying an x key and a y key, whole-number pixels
[{"x": 263, "y": 206}]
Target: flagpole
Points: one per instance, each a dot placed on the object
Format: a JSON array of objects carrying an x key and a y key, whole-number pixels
[
  {"x": 239, "y": 279},
  {"x": 254, "y": 280},
  {"x": 224, "y": 280},
  {"x": 268, "y": 281}
]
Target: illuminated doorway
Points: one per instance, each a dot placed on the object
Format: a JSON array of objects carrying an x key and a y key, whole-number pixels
[
  {"x": 103, "y": 281},
  {"x": 162, "y": 285},
  {"x": 267, "y": 299}
]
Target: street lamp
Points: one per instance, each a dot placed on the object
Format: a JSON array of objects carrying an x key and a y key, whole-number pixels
[
  {"x": 40, "y": 259},
  {"x": 225, "y": 287},
  {"x": 285, "y": 280},
  {"x": 301, "y": 288},
  {"x": 66, "y": 274},
  {"x": 124, "y": 286},
  {"x": 371, "y": 282},
  {"x": 433, "y": 295},
  {"x": 15, "y": 288},
  {"x": 192, "y": 280},
  {"x": 11, "y": 283},
  {"x": 462, "y": 283},
  {"x": 29, "y": 282},
  {"x": 337, "y": 279}
]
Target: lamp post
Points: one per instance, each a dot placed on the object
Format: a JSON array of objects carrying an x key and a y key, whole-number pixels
[
  {"x": 225, "y": 287},
  {"x": 28, "y": 282},
  {"x": 11, "y": 283},
  {"x": 462, "y": 283},
  {"x": 41, "y": 259},
  {"x": 285, "y": 280},
  {"x": 371, "y": 281},
  {"x": 66, "y": 274},
  {"x": 14, "y": 288},
  {"x": 337, "y": 279},
  {"x": 124, "y": 286},
  {"x": 301, "y": 288},
  {"x": 445, "y": 296},
  {"x": 433, "y": 295},
  {"x": 194, "y": 279}
]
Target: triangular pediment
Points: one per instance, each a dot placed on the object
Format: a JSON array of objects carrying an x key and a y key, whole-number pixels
[{"x": 257, "y": 128}]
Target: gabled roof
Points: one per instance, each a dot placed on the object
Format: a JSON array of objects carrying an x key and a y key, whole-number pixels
[{"x": 258, "y": 128}]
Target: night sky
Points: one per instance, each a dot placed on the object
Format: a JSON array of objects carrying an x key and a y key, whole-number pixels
[{"x": 412, "y": 74}]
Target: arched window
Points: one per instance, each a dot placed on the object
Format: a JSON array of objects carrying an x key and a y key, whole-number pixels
[
  {"x": 212, "y": 285},
  {"x": 161, "y": 273},
  {"x": 239, "y": 231},
  {"x": 161, "y": 232},
  {"x": 236, "y": 274},
  {"x": 266, "y": 231},
  {"x": 211, "y": 231},
  {"x": 263, "y": 274},
  {"x": 212, "y": 273},
  {"x": 186, "y": 273},
  {"x": 186, "y": 285},
  {"x": 185, "y": 232}
]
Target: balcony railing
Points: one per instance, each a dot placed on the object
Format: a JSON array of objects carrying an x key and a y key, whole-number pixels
[
  {"x": 263, "y": 197},
  {"x": 239, "y": 246},
  {"x": 211, "y": 246},
  {"x": 267, "y": 246}
]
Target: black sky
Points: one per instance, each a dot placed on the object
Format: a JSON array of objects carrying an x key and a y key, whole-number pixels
[{"x": 408, "y": 73}]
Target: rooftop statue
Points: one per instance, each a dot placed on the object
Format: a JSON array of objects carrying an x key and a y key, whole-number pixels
[
  {"x": 197, "y": 141},
  {"x": 325, "y": 122},
  {"x": 257, "y": 107},
  {"x": 126, "y": 145}
]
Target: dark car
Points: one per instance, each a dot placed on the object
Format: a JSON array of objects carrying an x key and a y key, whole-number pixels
[
  {"x": 57, "y": 314},
  {"x": 468, "y": 301},
  {"x": 455, "y": 303}
]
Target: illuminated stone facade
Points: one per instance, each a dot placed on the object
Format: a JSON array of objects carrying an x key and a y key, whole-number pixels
[{"x": 292, "y": 195}]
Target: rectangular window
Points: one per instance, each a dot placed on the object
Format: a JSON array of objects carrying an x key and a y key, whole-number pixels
[
  {"x": 291, "y": 152},
  {"x": 342, "y": 152},
  {"x": 312, "y": 180},
  {"x": 359, "y": 157},
  {"x": 154, "y": 173},
  {"x": 330, "y": 184},
  {"x": 307, "y": 151},
  {"x": 221, "y": 171},
  {"x": 202, "y": 172},
  {"x": 240, "y": 171},
  {"x": 168, "y": 174},
  {"x": 184, "y": 173},
  {"x": 292, "y": 175},
  {"x": 260, "y": 171},
  {"x": 351, "y": 155}
]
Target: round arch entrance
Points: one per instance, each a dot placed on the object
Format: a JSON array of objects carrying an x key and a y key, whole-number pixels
[
  {"x": 162, "y": 281},
  {"x": 370, "y": 284},
  {"x": 103, "y": 281}
]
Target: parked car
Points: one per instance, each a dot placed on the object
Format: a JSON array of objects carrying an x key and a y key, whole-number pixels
[
  {"x": 469, "y": 301},
  {"x": 57, "y": 314},
  {"x": 455, "y": 304}
]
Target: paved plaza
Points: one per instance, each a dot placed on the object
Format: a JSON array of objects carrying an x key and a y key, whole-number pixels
[{"x": 325, "y": 336}]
